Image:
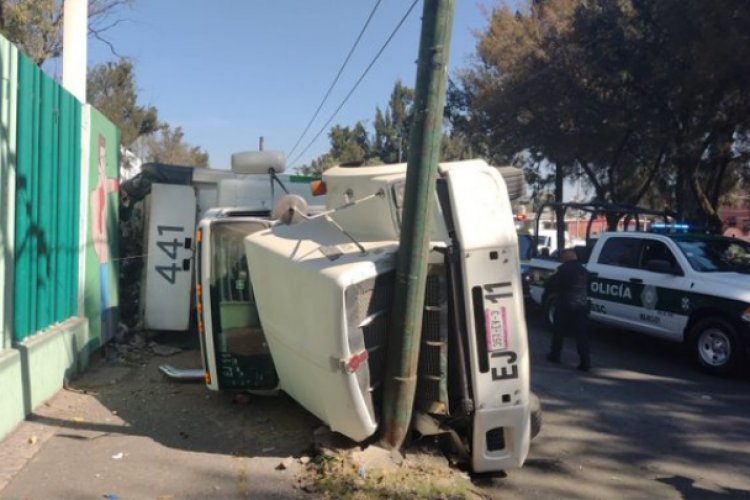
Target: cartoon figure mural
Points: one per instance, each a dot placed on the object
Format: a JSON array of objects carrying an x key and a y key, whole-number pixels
[
  {"x": 99, "y": 218},
  {"x": 102, "y": 301}
]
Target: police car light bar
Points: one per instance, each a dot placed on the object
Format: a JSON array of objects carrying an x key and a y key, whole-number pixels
[{"x": 660, "y": 227}]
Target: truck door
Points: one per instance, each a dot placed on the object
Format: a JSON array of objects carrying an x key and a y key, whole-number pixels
[
  {"x": 633, "y": 286},
  {"x": 661, "y": 312},
  {"x": 613, "y": 288},
  {"x": 234, "y": 348}
]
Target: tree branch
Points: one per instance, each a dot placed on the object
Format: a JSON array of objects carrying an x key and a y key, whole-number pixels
[
  {"x": 652, "y": 174},
  {"x": 600, "y": 192}
]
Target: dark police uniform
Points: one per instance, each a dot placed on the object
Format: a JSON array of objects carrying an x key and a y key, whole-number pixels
[{"x": 570, "y": 283}]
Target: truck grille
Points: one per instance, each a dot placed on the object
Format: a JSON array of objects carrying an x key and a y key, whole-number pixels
[
  {"x": 432, "y": 382},
  {"x": 368, "y": 307}
]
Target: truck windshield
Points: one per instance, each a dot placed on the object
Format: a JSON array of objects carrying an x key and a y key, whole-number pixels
[{"x": 716, "y": 254}]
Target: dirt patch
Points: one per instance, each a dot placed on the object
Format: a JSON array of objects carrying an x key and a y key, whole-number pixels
[
  {"x": 341, "y": 474},
  {"x": 340, "y": 468}
]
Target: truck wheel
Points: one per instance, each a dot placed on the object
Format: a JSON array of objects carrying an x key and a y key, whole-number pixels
[
  {"x": 535, "y": 414},
  {"x": 714, "y": 345},
  {"x": 550, "y": 305}
]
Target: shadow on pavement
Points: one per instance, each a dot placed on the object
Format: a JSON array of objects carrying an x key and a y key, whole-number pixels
[
  {"x": 138, "y": 400},
  {"x": 644, "y": 423}
]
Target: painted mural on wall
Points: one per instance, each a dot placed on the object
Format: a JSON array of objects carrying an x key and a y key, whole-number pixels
[{"x": 101, "y": 290}]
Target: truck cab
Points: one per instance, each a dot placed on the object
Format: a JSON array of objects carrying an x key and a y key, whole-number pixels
[{"x": 314, "y": 296}]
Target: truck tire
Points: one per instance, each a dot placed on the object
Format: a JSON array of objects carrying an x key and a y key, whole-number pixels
[
  {"x": 714, "y": 345},
  {"x": 514, "y": 181},
  {"x": 550, "y": 304},
  {"x": 535, "y": 414}
]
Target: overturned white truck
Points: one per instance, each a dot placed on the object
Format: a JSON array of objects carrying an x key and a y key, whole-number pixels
[{"x": 304, "y": 306}]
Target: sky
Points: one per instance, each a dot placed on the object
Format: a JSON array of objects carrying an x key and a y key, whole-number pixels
[{"x": 230, "y": 71}]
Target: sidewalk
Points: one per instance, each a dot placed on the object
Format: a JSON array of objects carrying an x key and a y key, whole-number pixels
[{"x": 126, "y": 431}]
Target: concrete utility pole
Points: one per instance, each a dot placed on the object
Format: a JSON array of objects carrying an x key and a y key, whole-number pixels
[
  {"x": 75, "y": 49},
  {"x": 421, "y": 173}
]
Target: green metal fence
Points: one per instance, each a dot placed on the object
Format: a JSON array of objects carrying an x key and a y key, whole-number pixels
[
  {"x": 48, "y": 155},
  {"x": 8, "y": 61}
]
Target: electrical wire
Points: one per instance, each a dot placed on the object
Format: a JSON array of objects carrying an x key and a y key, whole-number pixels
[
  {"x": 372, "y": 63},
  {"x": 335, "y": 80}
]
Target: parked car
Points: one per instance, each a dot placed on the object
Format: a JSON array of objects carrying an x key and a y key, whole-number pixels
[{"x": 689, "y": 288}]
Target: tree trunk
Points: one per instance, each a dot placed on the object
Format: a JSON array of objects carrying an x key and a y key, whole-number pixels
[
  {"x": 709, "y": 212},
  {"x": 559, "y": 212},
  {"x": 679, "y": 190}
]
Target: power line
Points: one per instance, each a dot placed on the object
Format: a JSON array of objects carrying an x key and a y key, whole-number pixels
[
  {"x": 335, "y": 80},
  {"x": 372, "y": 63}
]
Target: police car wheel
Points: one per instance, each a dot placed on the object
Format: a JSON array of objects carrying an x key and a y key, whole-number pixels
[
  {"x": 714, "y": 345},
  {"x": 550, "y": 305}
]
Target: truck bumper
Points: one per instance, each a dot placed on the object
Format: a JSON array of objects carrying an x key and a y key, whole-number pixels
[{"x": 500, "y": 438}]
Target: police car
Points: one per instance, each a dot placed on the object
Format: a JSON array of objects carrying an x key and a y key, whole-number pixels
[{"x": 688, "y": 288}]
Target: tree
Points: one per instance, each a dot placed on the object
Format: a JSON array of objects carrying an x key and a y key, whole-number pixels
[
  {"x": 392, "y": 126},
  {"x": 111, "y": 89},
  {"x": 646, "y": 97},
  {"x": 167, "y": 146},
  {"x": 349, "y": 144},
  {"x": 35, "y": 26}
]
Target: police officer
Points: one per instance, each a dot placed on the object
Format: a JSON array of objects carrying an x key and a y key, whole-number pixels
[{"x": 570, "y": 283}]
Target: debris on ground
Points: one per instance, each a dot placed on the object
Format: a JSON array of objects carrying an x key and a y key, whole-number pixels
[
  {"x": 163, "y": 350},
  {"x": 346, "y": 470},
  {"x": 183, "y": 374},
  {"x": 285, "y": 464}
]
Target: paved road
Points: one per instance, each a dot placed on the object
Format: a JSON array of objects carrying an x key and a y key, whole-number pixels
[{"x": 643, "y": 424}]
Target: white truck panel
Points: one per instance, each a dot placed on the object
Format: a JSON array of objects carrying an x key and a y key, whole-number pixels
[
  {"x": 493, "y": 292},
  {"x": 300, "y": 294},
  {"x": 165, "y": 296}
]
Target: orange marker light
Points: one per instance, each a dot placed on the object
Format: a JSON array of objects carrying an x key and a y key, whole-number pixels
[
  {"x": 318, "y": 188},
  {"x": 199, "y": 235}
]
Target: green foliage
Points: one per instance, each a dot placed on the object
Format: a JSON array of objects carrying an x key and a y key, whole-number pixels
[
  {"x": 36, "y": 26},
  {"x": 111, "y": 89},
  {"x": 389, "y": 141},
  {"x": 649, "y": 99},
  {"x": 167, "y": 146},
  {"x": 392, "y": 125}
]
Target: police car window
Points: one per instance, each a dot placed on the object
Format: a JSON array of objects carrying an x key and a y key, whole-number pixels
[
  {"x": 716, "y": 254},
  {"x": 622, "y": 252},
  {"x": 656, "y": 250}
]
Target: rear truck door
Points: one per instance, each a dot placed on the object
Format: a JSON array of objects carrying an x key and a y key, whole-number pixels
[
  {"x": 234, "y": 349},
  {"x": 165, "y": 296}
]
